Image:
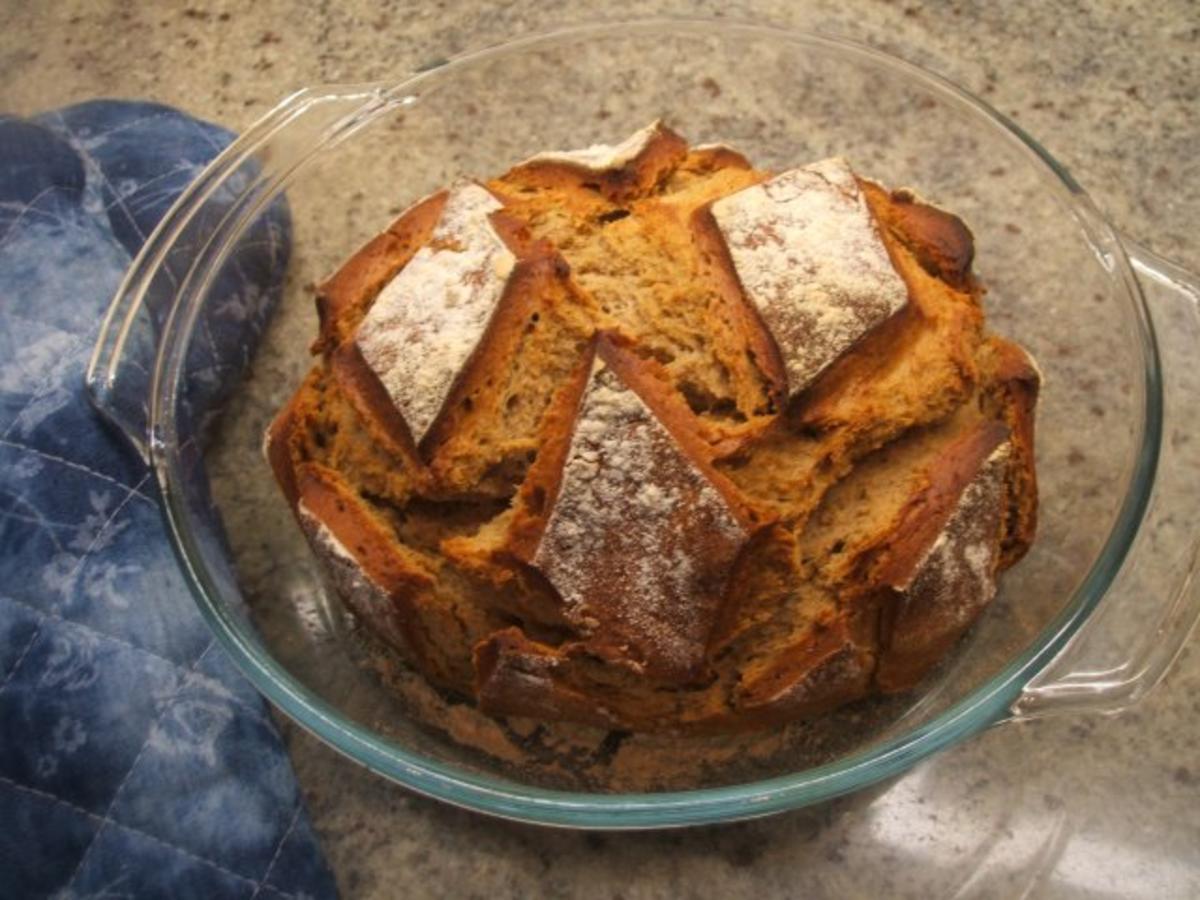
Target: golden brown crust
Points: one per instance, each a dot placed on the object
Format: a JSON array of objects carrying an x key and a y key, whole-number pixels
[
  {"x": 328, "y": 497},
  {"x": 679, "y": 421},
  {"x": 1014, "y": 400},
  {"x": 668, "y": 643},
  {"x": 915, "y": 369},
  {"x": 533, "y": 282},
  {"x": 516, "y": 676},
  {"x": 279, "y": 452},
  {"x": 539, "y": 491},
  {"x": 826, "y": 670},
  {"x": 940, "y": 240},
  {"x": 825, "y": 599},
  {"x": 838, "y": 653},
  {"x": 931, "y": 345},
  {"x": 948, "y": 585},
  {"x": 925, "y": 514},
  {"x": 344, "y": 297},
  {"x": 613, "y": 242},
  {"x": 326, "y": 501},
  {"x": 370, "y": 400},
  {"x": 660, "y": 156},
  {"x": 742, "y": 315},
  {"x": 713, "y": 157}
]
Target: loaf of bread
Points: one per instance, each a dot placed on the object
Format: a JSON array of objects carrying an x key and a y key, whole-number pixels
[{"x": 642, "y": 437}]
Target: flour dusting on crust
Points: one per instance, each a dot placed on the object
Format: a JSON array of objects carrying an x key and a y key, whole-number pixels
[
  {"x": 639, "y": 543},
  {"x": 427, "y": 321},
  {"x": 957, "y": 575},
  {"x": 808, "y": 256},
  {"x": 367, "y": 599},
  {"x": 601, "y": 157}
]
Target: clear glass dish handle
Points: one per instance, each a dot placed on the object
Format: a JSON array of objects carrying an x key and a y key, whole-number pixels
[
  {"x": 1129, "y": 642},
  {"x": 186, "y": 248}
]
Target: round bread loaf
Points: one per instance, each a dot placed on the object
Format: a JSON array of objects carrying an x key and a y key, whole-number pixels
[{"x": 642, "y": 437}]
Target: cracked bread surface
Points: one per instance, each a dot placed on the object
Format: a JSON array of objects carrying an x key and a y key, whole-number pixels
[{"x": 636, "y": 481}]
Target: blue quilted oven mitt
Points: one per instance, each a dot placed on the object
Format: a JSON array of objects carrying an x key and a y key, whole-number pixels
[{"x": 134, "y": 759}]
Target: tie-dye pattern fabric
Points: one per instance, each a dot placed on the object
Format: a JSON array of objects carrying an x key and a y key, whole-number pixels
[{"x": 134, "y": 760}]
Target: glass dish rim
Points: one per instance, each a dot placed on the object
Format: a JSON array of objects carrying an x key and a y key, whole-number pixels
[{"x": 986, "y": 705}]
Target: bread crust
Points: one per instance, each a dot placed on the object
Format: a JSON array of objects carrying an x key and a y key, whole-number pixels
[
  {"x": 747, "y": 319},
  {"x": 940, "y": 240},
  {"x": 371, "y": 401},
  {"x": 856, "y": 522},
  {"x": 885, "y": 635},
  {"x": 815, "y": 305},
  {"x": 660, "y": 154},
  {"x": 664, "y": 632},
  {"x": 1018, "y": 382},
  {"x": 355, "y": 537},
  {"x": 343, "y": 298}
]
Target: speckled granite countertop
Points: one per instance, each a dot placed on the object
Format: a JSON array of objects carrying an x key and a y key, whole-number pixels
[{"x": 1065, "y": 808}]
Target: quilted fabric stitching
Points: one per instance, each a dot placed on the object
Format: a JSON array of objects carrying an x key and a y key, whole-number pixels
[
  {"x": 106, "y": 819},
  {"x": 37, "y": 391},
  {"x": 133, "y": 765},
  {"x": 262, "y": 882},
  {"x": 48, "y": 526},
  {"x": 21, "y": 657},
  {"x": 124, "y": 126},
  {"x": 25, "y": 210},
  {"x": 94, "y": 167},
  {"x": 80, "y": 340},
  {"x": 113, "y": 639},
  {"x": 171, "y": 173},
  {"x": 16, "y": 445},
  {"x": 104, "y": 822},
  {"x": 101, "y": 532}
]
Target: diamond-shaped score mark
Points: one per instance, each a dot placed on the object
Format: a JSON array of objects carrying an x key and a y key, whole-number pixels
[
  {"x": 816, "y": 304},
  {"x": 627, "y": 519},
  {"x": 487, "y": 315},
  {"x": 425, "y": 324}
]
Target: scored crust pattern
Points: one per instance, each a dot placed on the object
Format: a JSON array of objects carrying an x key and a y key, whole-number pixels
[
  {"x": 638, "y": 542},
  {"x": 953, "y": 580},
  {"x": 706, "y": 511},
  {"x": 602, "y": 157},
  {"x": 428, "y": 320},
  {"x": 816, "y": 303}
]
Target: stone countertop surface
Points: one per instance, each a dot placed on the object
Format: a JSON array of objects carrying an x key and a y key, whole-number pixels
[{"x": 1069, "y": 807}]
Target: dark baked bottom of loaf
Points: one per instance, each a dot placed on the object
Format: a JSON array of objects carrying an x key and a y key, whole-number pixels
[{"x": 855, "y": 524}]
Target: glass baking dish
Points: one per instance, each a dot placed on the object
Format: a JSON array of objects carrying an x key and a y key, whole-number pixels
[{"x": 1089, "y": 621}]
